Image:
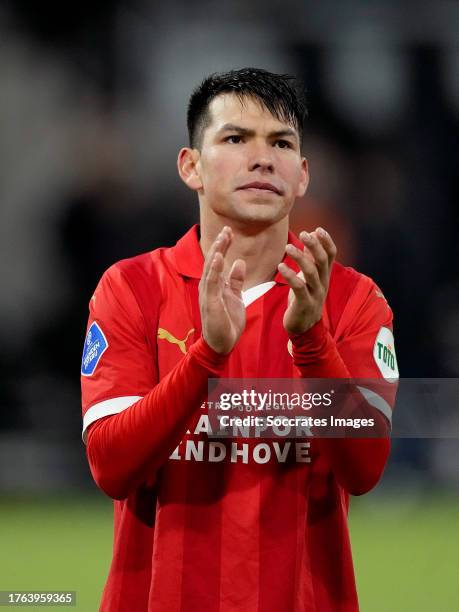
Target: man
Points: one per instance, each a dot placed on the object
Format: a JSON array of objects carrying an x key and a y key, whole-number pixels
[{"x": 219, "y": 526}]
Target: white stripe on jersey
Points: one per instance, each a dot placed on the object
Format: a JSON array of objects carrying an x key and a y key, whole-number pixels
[{"x": 105, "y": 408}]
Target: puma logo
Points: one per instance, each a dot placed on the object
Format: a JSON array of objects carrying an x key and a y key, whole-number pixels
[{"x": 163, "y": 334}]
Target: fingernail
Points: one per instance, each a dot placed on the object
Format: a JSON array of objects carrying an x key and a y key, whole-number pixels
[
  {"x": 306, "y": 237},
  {"x": 321, "y": 232},
  {"x": 291, "y": 250}
]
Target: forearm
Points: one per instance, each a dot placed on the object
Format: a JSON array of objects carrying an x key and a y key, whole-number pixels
[
  {"x": 357, "y": 463},
  {"x": 125, "y": 449}
]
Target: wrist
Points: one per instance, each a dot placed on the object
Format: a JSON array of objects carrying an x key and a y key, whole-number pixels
[
  {"x": 207, "y": 357},
  {"x": 219, "y": 349},
  {"x": 315, "y": 334}
]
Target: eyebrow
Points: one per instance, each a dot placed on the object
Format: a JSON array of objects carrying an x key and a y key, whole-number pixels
[{"x": 231, "y": 127}]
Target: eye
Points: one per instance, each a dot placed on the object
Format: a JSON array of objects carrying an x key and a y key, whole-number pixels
[
  {"x": 233, "y": 139},
  {"x": 283, "y": 144}
]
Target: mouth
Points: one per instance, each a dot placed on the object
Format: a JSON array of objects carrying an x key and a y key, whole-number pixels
[{"x": 261, "y": 188}]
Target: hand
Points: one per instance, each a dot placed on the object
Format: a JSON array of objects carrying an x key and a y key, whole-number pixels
[
  {"x": 220, "y": 297},
  {"x": 308, "y": 288}
]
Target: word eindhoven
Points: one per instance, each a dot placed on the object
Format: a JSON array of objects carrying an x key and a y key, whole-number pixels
[{"x": 213, "y": 451}]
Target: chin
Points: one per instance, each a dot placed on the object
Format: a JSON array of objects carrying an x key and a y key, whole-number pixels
[
  {"x": 259, "y": 213},
  {"x": 256, "y": 211}
]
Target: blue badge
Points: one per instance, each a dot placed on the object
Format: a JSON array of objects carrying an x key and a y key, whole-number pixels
[{"x": 94, "y": 346}]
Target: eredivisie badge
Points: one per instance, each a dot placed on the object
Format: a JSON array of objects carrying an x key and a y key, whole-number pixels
[{"x": 95, "y": 345}]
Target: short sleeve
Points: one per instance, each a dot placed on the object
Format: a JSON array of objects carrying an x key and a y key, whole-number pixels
[{"x": 117, "y": 366}]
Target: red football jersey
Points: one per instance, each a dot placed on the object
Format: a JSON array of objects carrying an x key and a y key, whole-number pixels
[{"x": 253, "y": 525}]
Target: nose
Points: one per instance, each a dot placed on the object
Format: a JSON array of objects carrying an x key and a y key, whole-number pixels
[{"x": 261, "y": 158}]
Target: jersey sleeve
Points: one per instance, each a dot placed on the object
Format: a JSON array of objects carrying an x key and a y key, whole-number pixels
[
  {"x": 118, "y": 366},
  {"x": 365, "y": 341},
  {"x": 364, "y": 334},
  {"x": 360, "y": 349}
]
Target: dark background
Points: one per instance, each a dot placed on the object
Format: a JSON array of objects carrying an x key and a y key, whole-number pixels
[
  {"x": 92, "y": 112},
  {"x": 93, "y": 103}
]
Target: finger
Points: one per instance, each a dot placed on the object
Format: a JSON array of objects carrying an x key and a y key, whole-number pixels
[
  {"x": 236, "y": 276},
  {"x": 327, "y": 243},
  {"x": 297, "y": 285},
  {"x": 214, "y": 278},
  {"x": 308, "y": 267},
  {"x": 227, "y": 238},
  {"x": 210, "y": 256},
  {"x": 314, "y": 245},
  {"x": 220, "y": 245}
]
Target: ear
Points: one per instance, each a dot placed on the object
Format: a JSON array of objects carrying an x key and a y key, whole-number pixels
[
  {"x": 304, "y": 178},
  {"x": 188, "y": 167}
]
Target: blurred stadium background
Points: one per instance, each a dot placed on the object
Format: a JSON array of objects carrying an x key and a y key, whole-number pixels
[{"x": 92, "y": 106}]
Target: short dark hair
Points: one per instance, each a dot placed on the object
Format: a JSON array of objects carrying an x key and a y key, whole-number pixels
[{"x": 280, "y": 94}]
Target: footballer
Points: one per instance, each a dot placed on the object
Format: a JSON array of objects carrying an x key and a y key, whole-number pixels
[{"x": 209, "y": 525}]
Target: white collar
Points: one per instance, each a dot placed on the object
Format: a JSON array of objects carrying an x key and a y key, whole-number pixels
[{"x": 252, "y": 294}]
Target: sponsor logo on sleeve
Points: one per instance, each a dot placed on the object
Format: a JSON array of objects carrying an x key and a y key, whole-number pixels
[
  {"x": 384, "y": 354},
  {"x": 95, "y": 346}
]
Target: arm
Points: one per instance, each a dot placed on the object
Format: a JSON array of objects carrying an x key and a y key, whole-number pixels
[
  {"x": 356, "y": 463},
  {"x": 126, "y": 449}
]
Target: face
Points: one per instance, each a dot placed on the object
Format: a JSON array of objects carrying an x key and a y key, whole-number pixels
[{"x": 249, "y": 169}]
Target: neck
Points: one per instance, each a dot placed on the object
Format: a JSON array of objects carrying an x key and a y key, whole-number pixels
[{"x": 262, "y": 247}]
